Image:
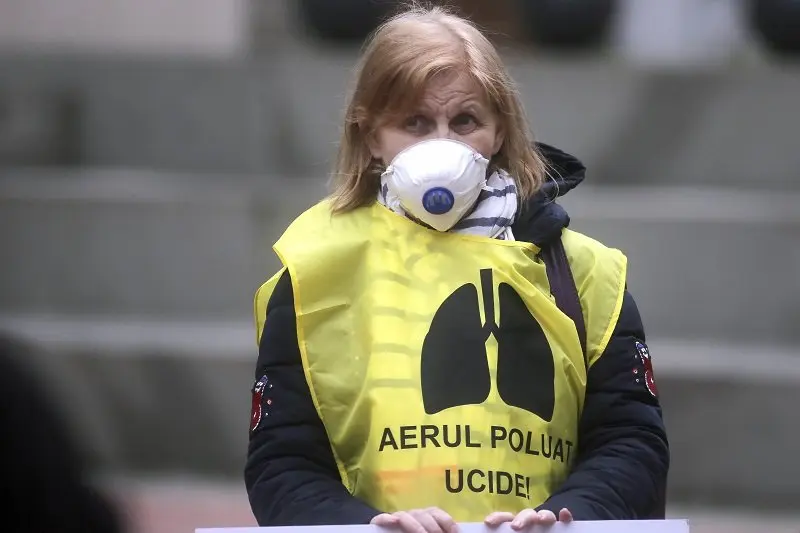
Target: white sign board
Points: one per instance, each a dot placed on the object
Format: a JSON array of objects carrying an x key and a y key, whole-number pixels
[{"x": 639, "y": 526}]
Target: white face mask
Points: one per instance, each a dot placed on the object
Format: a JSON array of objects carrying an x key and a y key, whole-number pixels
[{"x": 437, "y": 181}]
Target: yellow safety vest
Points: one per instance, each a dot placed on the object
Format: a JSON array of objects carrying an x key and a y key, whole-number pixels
[{"x": 442, "y": 369}]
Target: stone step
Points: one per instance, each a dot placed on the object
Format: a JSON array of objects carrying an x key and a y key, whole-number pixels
[
  {"x": 168, "y": 113},
  {"x": 114, "y": 241},
  {"x": 167, "y": 397},
  {"x": 270, "y": 115},
  {"x": 704, "y": 263}
]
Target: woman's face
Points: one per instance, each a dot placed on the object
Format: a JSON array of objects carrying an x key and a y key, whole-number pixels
[{"x": 452, "y": 107}]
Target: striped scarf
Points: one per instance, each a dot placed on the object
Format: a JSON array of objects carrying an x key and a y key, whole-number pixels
[{"x": 492, "y": 215}]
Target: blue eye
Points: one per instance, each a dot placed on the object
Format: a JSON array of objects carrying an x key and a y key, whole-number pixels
[{"x": 438, "y": 200}]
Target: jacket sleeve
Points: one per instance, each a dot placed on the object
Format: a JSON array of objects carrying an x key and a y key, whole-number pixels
[
  {"x": 620, "y": 472},
  {"x": 290, "y": 474}
]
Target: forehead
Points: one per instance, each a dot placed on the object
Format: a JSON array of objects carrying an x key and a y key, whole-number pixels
[
  {"x": 414, "y": 90},
  {"x": 452, "y": 89}
]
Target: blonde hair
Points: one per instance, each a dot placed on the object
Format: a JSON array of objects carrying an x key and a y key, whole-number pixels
[{"x": 397, "y": 63}]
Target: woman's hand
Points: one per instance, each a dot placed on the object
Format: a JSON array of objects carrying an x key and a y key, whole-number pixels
[
  {"x": 430, "y": 520},
  {"x": 527, "y": 517}
]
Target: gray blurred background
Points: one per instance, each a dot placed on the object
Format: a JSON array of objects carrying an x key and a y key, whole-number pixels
[{"x": 151, "y": 151}]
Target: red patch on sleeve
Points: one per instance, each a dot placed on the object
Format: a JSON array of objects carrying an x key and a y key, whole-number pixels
[
  {"x": 257, "y": 408},
  {"x": 647, "y": 365}
]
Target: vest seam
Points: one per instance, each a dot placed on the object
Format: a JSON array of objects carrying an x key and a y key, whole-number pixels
[
  {"x": 613, "y": 317},
  {"x": 256, "y": 314},
  {"x": 258, "y": 327},
  {"x": 307, "y": 371}
]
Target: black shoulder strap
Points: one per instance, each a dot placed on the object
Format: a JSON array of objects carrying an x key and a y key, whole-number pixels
[
  {"x": 562, "y": 286},
  {"x": 565, "y": 292}
]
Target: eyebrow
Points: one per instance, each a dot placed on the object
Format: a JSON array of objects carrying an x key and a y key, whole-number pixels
[
  {"x": 471, "y": 105},
  {"x": 474, "y": 107}
]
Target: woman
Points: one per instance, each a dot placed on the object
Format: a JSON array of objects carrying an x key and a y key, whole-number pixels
[{"x": 439, "y": 348}]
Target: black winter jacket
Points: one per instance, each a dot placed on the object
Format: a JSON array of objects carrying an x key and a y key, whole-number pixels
[{"x": 621, "y": 468}]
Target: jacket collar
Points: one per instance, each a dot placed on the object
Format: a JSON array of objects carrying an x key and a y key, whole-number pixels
[{"x": 541, "y": 219}]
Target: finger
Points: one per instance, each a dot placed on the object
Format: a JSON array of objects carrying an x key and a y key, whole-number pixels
[
  {"x": 524, "y": 519},
  {"x": 409, "y": 523},
  {"x": 445, "y": 521},
  {"x": 545, "y": 517},
  {"x": 384, "y": 520},
  {"x": 427, "y": 521},
  {"x": 564, "y": 515},
  {"x": 495, "y": 519}
]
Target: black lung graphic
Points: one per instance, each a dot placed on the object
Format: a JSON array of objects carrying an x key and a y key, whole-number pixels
[
  {"x": 525, "y": 368},
  {"x": 455, "y": 367},
  {"x": 455, "y": 370}
]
